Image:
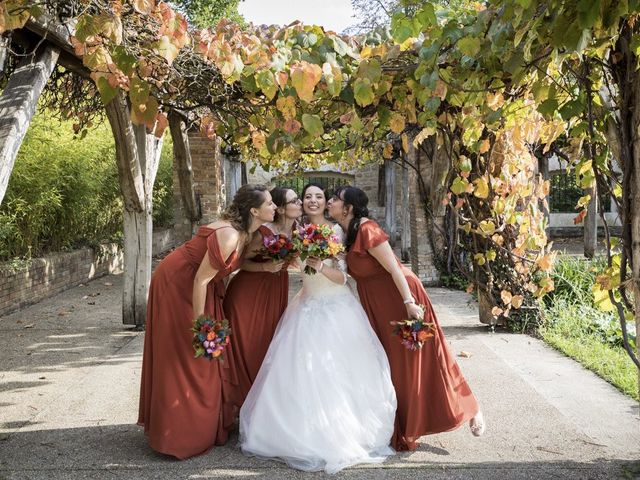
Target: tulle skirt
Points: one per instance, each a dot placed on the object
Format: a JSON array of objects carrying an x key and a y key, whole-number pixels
[{"x": 323, "y": 399}]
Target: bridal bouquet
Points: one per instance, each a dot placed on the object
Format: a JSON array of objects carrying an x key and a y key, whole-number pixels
[
  {"x": 210, "y": 337},
  {"x": 413, "y": 332},
  {"x": 318, "y": 241},
  {"x": 278, "y": 247}
]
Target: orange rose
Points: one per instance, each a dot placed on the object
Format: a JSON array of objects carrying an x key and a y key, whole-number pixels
[{"x": 211, "y": 336}]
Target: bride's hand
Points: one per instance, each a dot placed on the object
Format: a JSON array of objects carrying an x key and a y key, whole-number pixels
[
  {"x": 414, "y": 311},
  {"x": 315, "y": 263},
  {"x": 273, "y": 267}
]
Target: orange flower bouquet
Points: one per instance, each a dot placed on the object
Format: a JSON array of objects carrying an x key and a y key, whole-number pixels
[
  {"x": 210, "y": 337},
  {"x": 414, "y": 332}
]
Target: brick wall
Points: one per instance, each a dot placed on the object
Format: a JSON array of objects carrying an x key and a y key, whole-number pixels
[
  {"x": 208, "y": 176},
  {"x": 422, "y": 260},
  {"x": 48, "y": 276}
]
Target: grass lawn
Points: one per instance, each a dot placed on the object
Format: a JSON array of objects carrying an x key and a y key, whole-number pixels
[{"x": 575, "y": 326}]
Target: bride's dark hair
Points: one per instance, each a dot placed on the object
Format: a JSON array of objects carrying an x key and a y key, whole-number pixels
[
  {"x": 356, "y": 198},
  {"x": 305, "y": 217},
  {"x": 238, "y": 213}
]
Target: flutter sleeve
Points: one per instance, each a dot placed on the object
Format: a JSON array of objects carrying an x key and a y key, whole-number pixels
[
  {"x": 214, "y": 254},
  {"x": 370, "y": 235}
]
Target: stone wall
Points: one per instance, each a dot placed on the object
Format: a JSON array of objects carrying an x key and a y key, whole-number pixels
[{"x": 48, "y": 276}]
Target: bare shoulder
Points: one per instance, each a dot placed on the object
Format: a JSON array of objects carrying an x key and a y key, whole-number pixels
[{"x": 227, "y": 239}]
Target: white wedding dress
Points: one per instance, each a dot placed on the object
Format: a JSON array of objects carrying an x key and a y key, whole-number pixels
[{"x": 323, "y": 399}]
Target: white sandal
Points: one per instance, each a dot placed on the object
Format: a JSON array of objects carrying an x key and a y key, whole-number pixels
[{"x": 477, "y": 425}]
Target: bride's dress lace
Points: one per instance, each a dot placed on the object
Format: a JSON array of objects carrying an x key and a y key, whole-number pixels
[{"x": 323, "y": 399}]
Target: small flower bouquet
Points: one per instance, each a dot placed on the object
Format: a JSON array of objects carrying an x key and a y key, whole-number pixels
[
  {"x": 413, "y": 332},
  {"x": 318, "y": 241},
  {"x": 278, "y": 247},
  {"x": 210, "y": 337}
]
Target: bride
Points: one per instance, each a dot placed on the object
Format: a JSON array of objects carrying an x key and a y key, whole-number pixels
[{"x": 323, "y": 398}]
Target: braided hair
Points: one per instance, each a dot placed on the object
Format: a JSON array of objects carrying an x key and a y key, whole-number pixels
[{"x": 238, "y": 213}]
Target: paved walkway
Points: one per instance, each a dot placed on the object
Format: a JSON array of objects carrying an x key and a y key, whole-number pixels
[{"x": 69, "y": 377}]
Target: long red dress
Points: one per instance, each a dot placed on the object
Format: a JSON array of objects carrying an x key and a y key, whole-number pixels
[
  {"x": 433, "y": 395},
  {"x": 253, "y": 305},
  {"x": 181, "y": 397}
]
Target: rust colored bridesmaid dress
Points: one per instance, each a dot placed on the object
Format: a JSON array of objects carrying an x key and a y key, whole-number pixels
[
  {"x": 433, "y": 395},
  {"x": 253, "y": 305},
  {"x": 181, "y": 397}
]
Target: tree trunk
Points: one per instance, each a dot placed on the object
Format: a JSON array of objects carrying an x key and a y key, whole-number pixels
[
  {"x": 4, "y": 51},
  {"x": 137, "y": 156},
  {"x": 634, "y": 210},
  {"x": 405, "y": 239},
  {"x": 182, "y": 157},
  {"x": 543, "y": 169},
  {"x": 441, "y": 166},
  {"x": 591, "y": 223},
  {"x": 18, "y": 104},
  {"x": 390, "y": 197}
]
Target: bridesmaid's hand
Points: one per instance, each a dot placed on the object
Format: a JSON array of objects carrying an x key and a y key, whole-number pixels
[
  {"x": 414, "y": 311},
  {"x": 273, "y": 267}
]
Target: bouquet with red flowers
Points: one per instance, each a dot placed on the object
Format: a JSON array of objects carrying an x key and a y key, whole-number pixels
[
  {"x": 278, "y": 247},
  {"x": 210, "y": 337},
  {"x": 414, "y": 332},
  {"x": 318, "y": 241}
]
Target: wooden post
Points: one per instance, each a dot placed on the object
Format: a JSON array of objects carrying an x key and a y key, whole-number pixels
[
  {"x": 543, "y": 169},
  {"x": 405, "y": 239},
  {"x": 233, "y": 176},
  {"x": 137, "y": 157},
  {"x": 184, "y": 168},
  {"x": 18, "y": 104},
  {"x": 390, "y": 203},
  {"x": 591, "y": 223},
  {"x": 4, "y": 50}
]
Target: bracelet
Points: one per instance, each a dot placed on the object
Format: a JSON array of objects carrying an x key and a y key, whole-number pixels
[{"x": 409, "y": 300}]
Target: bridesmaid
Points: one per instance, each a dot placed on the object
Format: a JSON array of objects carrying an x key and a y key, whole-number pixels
[
  {"x": 181, "y": 398},
  {"x": 433, "y": 396},
  {"x": 258, "y": 295}
]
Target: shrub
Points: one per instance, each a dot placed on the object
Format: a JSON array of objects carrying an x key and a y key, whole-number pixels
[{"x": 64, "y": 193}]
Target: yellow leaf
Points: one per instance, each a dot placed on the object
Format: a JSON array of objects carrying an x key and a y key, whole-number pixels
[
  {"x": 495, "y": 100},
  {"x": 144, "y": 6},
  {"x": 545, "y": 262},
  {"x": 397, "y": 123},
  {"x": 287, "y": 106},
  {"x": 387, "y": 152},
  {"x": 405, "y": 142},
  {"x": 484, "y": 146},
  {"x": 481, "y": 188},
  {"x": 440, "y": 90},
  {"x": 506, "y": 296},
  {"x": 304, "y": 78},
  {"x": 601, "y": 299},
  {"x": 423, "y": 135},
  {"x": 516, "y": 301}
]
